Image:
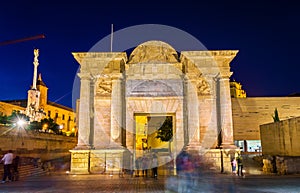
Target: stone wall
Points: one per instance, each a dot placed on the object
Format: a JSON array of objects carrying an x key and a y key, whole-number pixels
[
  {"x": 34, "y": 144},
  {"x": 281, "y": 146},
  {"x": 251, "y": 112},
  {"x": 281, "y": 138},
  {"x": 281, "y": 165}
]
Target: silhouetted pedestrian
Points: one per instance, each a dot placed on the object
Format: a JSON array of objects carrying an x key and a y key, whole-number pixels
[
  {"x": 7, "y": 159},
  {"x": 240, "y": 165},
  {"x": 154, "y": 166},
  {"x": 15, "y": 164}
]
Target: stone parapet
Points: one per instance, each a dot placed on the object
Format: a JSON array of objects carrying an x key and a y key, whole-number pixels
[{"x": 34, "y": 144}]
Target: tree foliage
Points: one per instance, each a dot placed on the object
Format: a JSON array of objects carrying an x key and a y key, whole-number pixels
[
  {"x": 165, "y": 132},
  {"x": 13, "y": 118}
]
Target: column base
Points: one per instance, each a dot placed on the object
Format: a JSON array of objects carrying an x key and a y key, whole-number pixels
[
  {"x": 228, "y": 146},
  {"x": 83, "y": 147},
  {"x": 80, "y": 161}
]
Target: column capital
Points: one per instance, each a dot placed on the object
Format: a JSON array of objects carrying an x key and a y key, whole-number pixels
[
  {"x": 84, "y": 76},
  {"x": 118, "y": 76},
  {"x": 225, "y": 76}
]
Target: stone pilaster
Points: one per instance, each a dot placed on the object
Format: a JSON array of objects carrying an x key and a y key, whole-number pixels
[
  {"x": 212, "y": 130},
  {"x": 116, "y": 112},
  {"x": 226, "y": 112},
  {"x": 185, "y": 110},
  {"x": 84, "y": 112},
  {"x": 92, "y": 112}
]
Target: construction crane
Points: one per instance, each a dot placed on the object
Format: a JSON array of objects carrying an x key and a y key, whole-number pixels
[{"x": 22, "y": 40}]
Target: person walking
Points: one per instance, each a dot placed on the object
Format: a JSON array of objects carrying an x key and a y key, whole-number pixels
[
  {"x": 233, "y": 166},
  {"x": 137, "y": 166},
  {"x": 15, "y": 165},
  {"x": 240, "y": 165},
  {"x": 7, "y": 160},
  {"x": 145, "y": 165},
  {"x": 154, "y": 166}
]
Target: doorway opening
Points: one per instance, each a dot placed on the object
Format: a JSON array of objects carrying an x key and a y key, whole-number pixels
[{"x": 154, "y": 132}]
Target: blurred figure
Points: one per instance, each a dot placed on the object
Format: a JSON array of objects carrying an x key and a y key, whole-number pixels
[
  {"x": 7, "y": 160},
  {"x": 240, "y": 165},
  {"x": 137, "y": 166},
  {"x": 145, "y": 165},
  {"x": 15, "y": 164},
  {"x": 154, "y": 166},
  {"x": 185, "y": 169},
  {"x": 233, "y": 165}
]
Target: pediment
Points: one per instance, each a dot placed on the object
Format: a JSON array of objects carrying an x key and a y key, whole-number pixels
[{"x": 153, "y": 52}]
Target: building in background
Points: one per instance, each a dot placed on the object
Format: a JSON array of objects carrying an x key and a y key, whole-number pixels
[
  {"x": 248, "y": 113},
  {"x": 37, "y": 106}
]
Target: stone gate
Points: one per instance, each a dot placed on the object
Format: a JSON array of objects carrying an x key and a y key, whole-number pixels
[{"x": 192, "y": 87}]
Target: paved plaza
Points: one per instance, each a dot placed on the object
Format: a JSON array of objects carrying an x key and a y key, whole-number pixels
[{"x": 106, "y": 183}]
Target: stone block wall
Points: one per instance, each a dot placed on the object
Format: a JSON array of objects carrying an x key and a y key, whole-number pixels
[
  {"x": 281, "y": 138},
  {"x": 37, "y": 145},
  {"x": 219, "y": 158},
  {"x": 251, "y": 112},
  {"x": 102, "y": 161},
  {"x": 281, "y": 165}
]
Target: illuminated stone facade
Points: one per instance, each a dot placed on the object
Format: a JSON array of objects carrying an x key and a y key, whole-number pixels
[
  {"x": 236, "y": 90},
  {"x": 154, "y": 80}
]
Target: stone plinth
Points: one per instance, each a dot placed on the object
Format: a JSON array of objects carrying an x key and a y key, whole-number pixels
[
  {"x": 101, "y": 161},
  {"x": 106, "y": 161},
  {"x": 80, "y": 161},
  {"x": 220, "y": 159}
]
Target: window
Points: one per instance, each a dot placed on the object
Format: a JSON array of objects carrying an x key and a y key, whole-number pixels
[{"x": 63, "y": 117}]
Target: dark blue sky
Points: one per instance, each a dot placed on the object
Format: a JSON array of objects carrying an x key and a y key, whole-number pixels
[{"x": 265, "y": 33}]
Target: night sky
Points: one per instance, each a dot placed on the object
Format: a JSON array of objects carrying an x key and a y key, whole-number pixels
[{"x": 265, "y": 33}]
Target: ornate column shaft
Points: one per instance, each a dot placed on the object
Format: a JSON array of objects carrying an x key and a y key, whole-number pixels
[
  {"x": 212, "y": 131},
  {"x": 92, "y": 112},
  {"x": 84, "y": 112},
  {"x": 116, "y": 111},
  {"x": 185, "y": 111},
  {"x": 226, "y": 112}
]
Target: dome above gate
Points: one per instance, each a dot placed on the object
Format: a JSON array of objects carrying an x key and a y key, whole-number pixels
[{"x": 153, "y": 52}]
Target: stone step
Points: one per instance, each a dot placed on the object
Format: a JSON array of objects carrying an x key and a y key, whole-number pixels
[{"x": 28, "y": 171}]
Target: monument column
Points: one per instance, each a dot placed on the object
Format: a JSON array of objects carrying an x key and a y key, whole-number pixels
[
  {"x": 212, "y": 132},
  {"x": 185, "y": 111},
  {"x": 92, "y": 112},
  {"x": 84, "y": 112},
  {"x": 116, "y": 111},
  {"x": 226, "y": 111}
]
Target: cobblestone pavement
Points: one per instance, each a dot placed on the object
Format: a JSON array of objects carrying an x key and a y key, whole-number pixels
[{"x": 114, "y": 184}]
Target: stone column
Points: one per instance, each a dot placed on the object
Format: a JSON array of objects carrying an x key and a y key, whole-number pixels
[
  {"x": 192, "y": 111},
  {"x": 212, "y": 131},
  {"x": 84, "y": 112},
  {"x": 116, "y": 112},
  {"x": 92, "y": 112},
  {"x": 185, "y": 111},
  {"x": 226, "y": 112}
]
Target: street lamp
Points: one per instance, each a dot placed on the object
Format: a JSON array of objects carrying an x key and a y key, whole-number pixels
[
  {"x": 21, "y": 123},
  {"x": 60, "y": 129}
]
